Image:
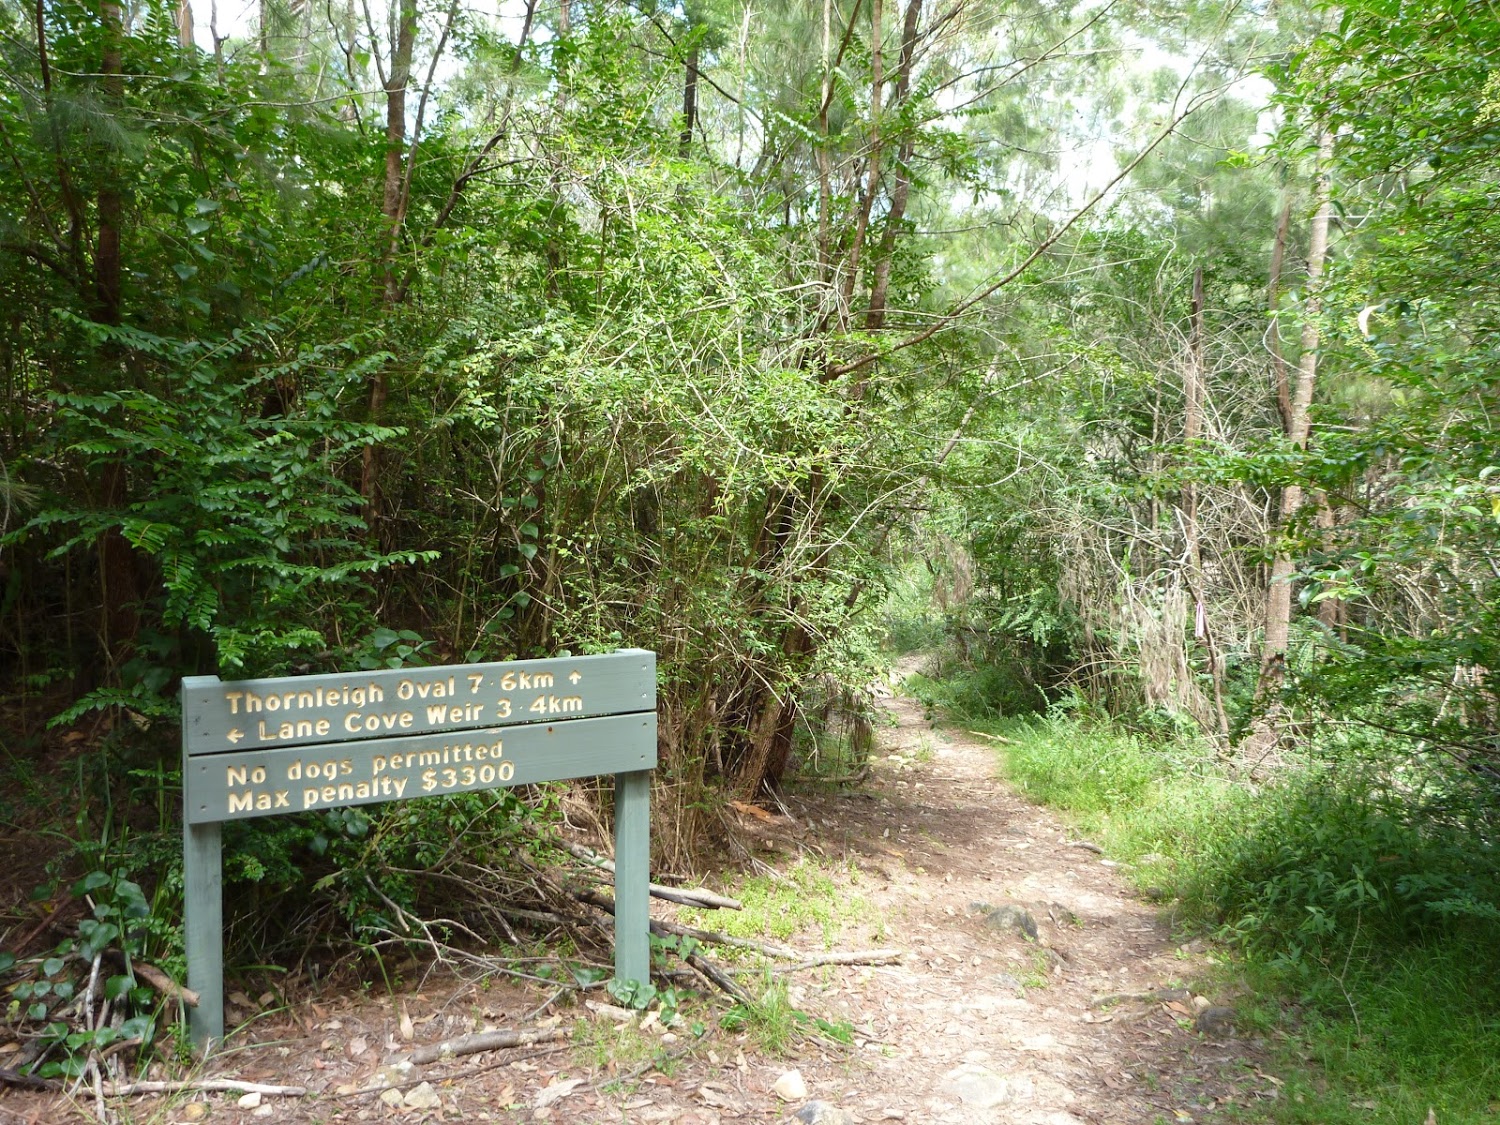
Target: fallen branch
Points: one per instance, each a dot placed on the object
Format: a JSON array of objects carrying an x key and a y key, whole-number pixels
[
  {"x": 855, "y": 778},
  {"x": 485, "y": 1041},
  {"x": 1087, "y": 846},
  {"x": 9, "y": 1077},
  {"x": 207, "y": 1085},
  {"x": 165, "y": 984},
  {"x": 683, "y": 896},
  {"x": 848, "y": 957},
  {"x": 716, "y": 977},
  {"x": 149, "y": 974},
  {"x": 663, "y": 928},
  {"x": 994, "y": 737},
  {"x": 655, "y": 1062},
  {"x": 780, "y": 952}
]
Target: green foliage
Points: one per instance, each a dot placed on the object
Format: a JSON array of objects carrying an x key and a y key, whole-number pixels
[
  {"x": 1336, "y": 858},
  {"x": 1387, "y": 1041},
  {"x": 247, "y": 522},
  {"x": 1364, "y": 907},
  {"x": 1153, "y": 799},
  {"x": 1410, "y": 434},
  {"x": 802, "y": 898},
  {"x": 119, "y": 918},
  {"x": 777, "y": 1025}
]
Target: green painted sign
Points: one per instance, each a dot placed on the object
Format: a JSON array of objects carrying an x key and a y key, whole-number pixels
[
  {"x": 308, "y": 710},
  {"x": 303, "y": 779},
  {"x": 304, "y": 743}
]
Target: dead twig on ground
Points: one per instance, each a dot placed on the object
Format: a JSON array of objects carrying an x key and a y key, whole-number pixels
[
  {"x": 717, "y": 977},
  {"x": 9, "y": 1077},
  {"x": 684, "y": 896},
  {"x": 203, "y": 1085},
  {"x": 994, "y": 737},
  {"x": 847, "y": 957},
  {"x": 486, "y": 1041}
]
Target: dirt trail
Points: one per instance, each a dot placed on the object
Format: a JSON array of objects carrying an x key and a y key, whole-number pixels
[
  {"x": 980, "y": 1024},
  {"x": 977, "y": 1024}
]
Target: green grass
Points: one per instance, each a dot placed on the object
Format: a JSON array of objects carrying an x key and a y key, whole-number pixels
[
  {"x": 1383, "y": 1041},
  {"x": 1135, "y": 798},
  {"x": 1361, "y": 910},
  {"x": 776, "y": 1024},
  {"x": 804, "y": 897}
]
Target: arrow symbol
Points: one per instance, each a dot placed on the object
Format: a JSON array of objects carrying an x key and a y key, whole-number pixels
[
  {"x": 574, "y": 677},
  {"x": 235, "y": 735}
]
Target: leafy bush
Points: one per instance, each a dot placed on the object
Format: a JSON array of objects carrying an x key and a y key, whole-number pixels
[
  {"x": 1158, "y": 799},
  {"x": 1327, "y": 856}
]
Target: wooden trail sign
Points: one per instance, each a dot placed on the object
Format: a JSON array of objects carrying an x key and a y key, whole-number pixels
[{"x": 304, "y": 743}]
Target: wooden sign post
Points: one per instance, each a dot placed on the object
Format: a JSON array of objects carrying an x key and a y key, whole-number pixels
[{"x": 303, "y": 743}]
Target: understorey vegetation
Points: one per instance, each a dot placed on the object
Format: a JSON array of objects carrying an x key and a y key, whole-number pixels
[{"x": 1140, "y": 367}]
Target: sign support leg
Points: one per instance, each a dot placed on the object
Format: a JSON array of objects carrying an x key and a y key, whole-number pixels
[
  {"x": 633, "y": 876},
  {"x": 203, "y": 926}
]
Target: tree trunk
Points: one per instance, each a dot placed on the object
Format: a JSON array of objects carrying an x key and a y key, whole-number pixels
[
  {"x": 875, "y": 315},
  {"x": 1268, "y": 726},
  {"x": 185, "y": 24},
  {"x": 393, "y": 206},
  {"x": 689, "y": 102},
  {"x": 119, "y": 588},
  {"x": 1273, "y": 300},
  {"x": 872, "y": 180},
  {"x": 1192, "y": 429}
]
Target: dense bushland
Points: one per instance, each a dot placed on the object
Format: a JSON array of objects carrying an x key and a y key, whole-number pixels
[
  {"x": 378, "y": 338},
  {"x": 387, "y": 338}
]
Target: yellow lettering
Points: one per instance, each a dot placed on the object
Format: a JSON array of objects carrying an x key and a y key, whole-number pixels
[{"x": 242, "y": 802}]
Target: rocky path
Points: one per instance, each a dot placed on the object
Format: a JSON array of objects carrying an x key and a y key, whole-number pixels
[
  {"x": 983, "y": 1022},
  {"x": 1013, "y": 931}
]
